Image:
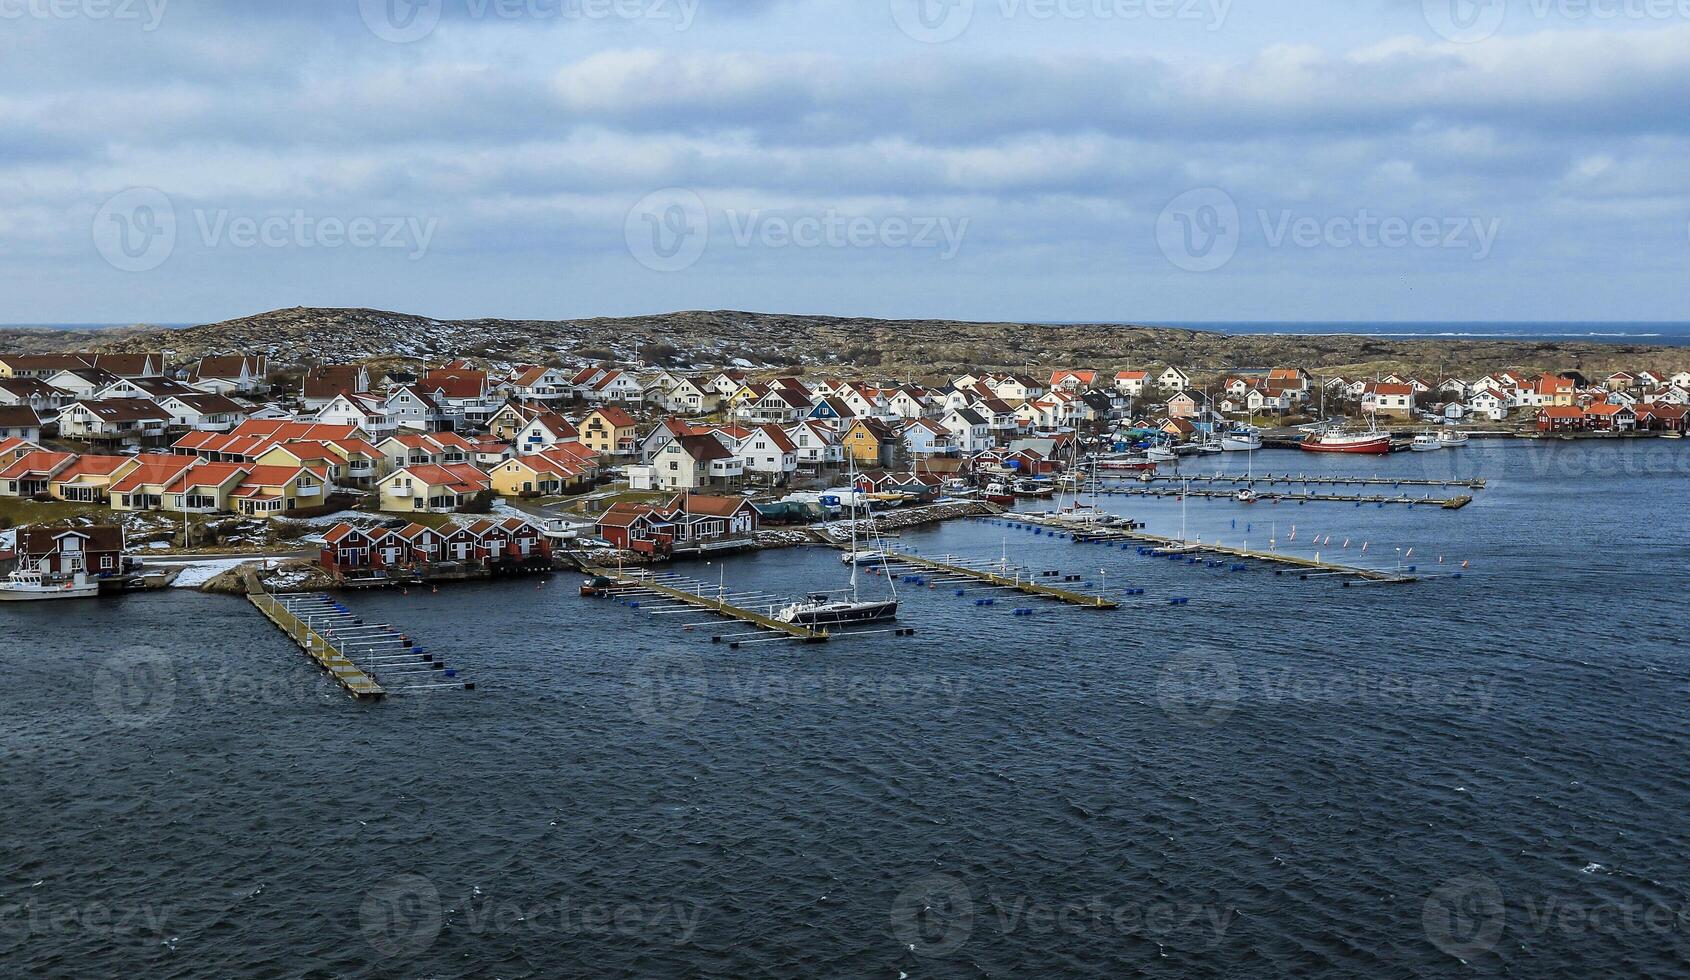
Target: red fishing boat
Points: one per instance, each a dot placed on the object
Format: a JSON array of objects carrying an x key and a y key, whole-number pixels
[{"x": 1372, "y": 442}]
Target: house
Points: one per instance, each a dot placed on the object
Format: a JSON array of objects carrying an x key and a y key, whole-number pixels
[
  {"x": 546, "y": 473},
  {"x": 1552, "y": 389},
  {"x": 324, "y": 382},
  {"x": 83, "y": 382},
  {"x": 1621, "y": 381},
  {"x": 908, "y": 402},
  {"x": 1014, "y": 387},
  {"x": 616, "y": 386},
  {"x": 1188, "y": 404},
  {"x": 692, "y": 462},
  {"x": 870, "y": 442},
  {"x": 692, "y": 396},
  {"x": 96, "y": 550},
  {"x": 411, "y": 449},
  {"x": 33, "y": 393},
  {"x": 544, "y": 431},
  {"x": 461, "y": 395},
  {"x": 541, "y": 384},
  {"x": 129, "y": 365},
  {"x": 1610, "y": 417},
  {"x": 705, "y": 520},
  {"x": 926, "y": 437},
  {"x": 142, "y": 483},
  {"x": 151, "y": 389},
  {"x": 365, "y": 411},
  {"x": 1131, "y": 383},
  {"x": 407, "y": 407},
  {"x": 434, "y": 487},
  {"x": 609, "y": 430},
  {"x": 1662, "y": 417},
  {"x": 971, "y": 431},
  {"x": 1487, "y": 403},
  {"x": 816, "y": 443},
  {"x": 30, "y": 474},
  {"x": 1560, "y": 418},
  {"x": 203, "y": 488},
  {"x": 12, "y": 449},
  {"x": 1384, "y": 398},
  {"x": 1173, "y": 379},
  {"x": 777, "y": 404},
  {"x": 226, "y": 374},
  {"x": 40, "y": 366},
  {"x": 203, "y": 412},
  {"x": 767, "y": 452},
  {"x": 19, "y": 422},
  {"x": 119, "y": 419},
  {"x": 1073, "y": 380}
]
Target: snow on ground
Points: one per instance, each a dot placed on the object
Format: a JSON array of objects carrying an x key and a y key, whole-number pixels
[
  {"x": 8, "y": 540},
  {"x": 196, "y": 574}
]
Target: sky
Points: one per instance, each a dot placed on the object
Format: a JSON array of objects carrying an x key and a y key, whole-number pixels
[{"x": 178, "y": 161}]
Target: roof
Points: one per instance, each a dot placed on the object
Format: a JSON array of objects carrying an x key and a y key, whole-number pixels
[
  {"x": 704, "y": 448},
  {"x": 459, "y": 477},
  {"x": 125, "y": 410},
  {"x": 151, "y": 470},
  {"x": 329, "y": 380},
  {"x": 227, "y": 367},
  {"x": 38, "y": 463},
  {"x": 40, "y": 540},
  {"x": 18, "y": 417},
  {"x": 706, "y": 506},
  {"x": 613, "y": 416}
]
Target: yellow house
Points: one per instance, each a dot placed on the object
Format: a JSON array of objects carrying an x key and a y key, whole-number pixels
[
  {"x": 86, "y": 480},
  {"x": 871, "y": 442},
  {"x": 542, "y": 474},
  {"x": 272, "y": 491},
  {"x": 431, "y": 487},
  {"x": 609, "y": 430}
]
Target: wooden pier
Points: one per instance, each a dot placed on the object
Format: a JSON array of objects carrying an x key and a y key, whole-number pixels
[
  {"x": 951, "y": 568},
  {"x": 667, "y": 593},
  {"x": 1086, "y": 532},
  {"x": 358, "y": 655}
]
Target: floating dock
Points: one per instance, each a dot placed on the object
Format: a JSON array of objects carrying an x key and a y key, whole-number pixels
[
  {"x": 1300, "y": 479},
  {"x": 668, "y": 593},
  {"x": 953, "y": 570},
  {"x": 1277, "y": 496},
  {"x": 1126, "y": 532},
  {"x": 356, "y": 654}
]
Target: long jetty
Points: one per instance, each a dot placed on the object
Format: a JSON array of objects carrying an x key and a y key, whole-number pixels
[
  {"x": 953, "y": 570},
  {"x": 667, "y": 593},
  {"x": 1091, "y": 532},
  {"x": 1303, "y": 479},
  {"x": 1279, "y": 496},
  {"x": 358, "y": 655}
]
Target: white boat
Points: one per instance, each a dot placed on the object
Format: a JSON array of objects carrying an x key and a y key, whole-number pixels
[
  {"x": 34, "y": 586},
  {"x": 1210, "y": 448},
  {"x": 1244, "y": 439},
  {"x": 1248, "y": 496},
  {"x": 1427, "y": 442},
  {"x": 821, "y": 610},
  {"x": 1452, "y": 437},
  {"x": 1161, "y": 454}
]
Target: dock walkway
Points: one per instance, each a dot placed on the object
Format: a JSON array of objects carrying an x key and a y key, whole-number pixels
[
  {"x": 952, "y": 568},
  {"x": 369, "y": 660},
  {"x": 1086, "y": 532},
  {"x": 666, "y": 592},
  {"x": 1299, "y": 479},
  {"x": 1277, "y": 496}
]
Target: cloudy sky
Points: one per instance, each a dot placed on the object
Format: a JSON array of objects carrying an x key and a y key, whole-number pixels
[{"x": 1145, "y": 160}]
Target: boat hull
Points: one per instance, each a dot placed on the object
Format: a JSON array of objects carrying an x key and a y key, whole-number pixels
[
  {"x": 48, "y": 595},
  {"x": 1369, "y": 447},
  {"x": 844, "y": 614}
]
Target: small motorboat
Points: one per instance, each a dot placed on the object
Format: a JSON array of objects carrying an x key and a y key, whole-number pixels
[
  {"x": 1241, "y": 440},
  {"x": 29, "y": 585},
  {"x": 1248, "y": 495},
  {"x": 1451, "y": 438},
  {"x": 862, "y": 557},
  {"x": 596, "y": 586},
  {"x": 1427, "y": 442},
  {"x": 1161, "y": 454}
]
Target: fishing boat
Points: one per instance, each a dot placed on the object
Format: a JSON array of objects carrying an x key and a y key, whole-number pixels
[
  {"x": 997, "y": 493},
  {"x": 1128, "y": 463},
  {"x": 1161, "y": 454},
  {"x": 1034, "y": 488},
  {"x": 1427, "y": 442},
  {"x": 1243, "y": 439},
  {"x": 821, "y": 609},
  {"x": 1451, "y": 438},
  {"x": 35, "y": 586},
  {"x": 1338, "y": 440}
]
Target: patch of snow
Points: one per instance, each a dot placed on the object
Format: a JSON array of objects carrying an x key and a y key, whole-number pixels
[{"x": 198, "y": 573}]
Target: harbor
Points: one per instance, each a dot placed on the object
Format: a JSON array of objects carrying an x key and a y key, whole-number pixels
[
  {"x": 368, "y": 660},
  {"x": 669, "y": 593}
]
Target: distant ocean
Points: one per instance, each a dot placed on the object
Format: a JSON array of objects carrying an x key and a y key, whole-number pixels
[{"x": 86, "y": 326}]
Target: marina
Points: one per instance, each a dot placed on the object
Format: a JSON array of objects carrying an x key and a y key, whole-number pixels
[
  {"x": 668, "y": 593},
  {"x": 1304, "y": 497},
  {"x": 1306, "y": 479},
  {"x": 952, "y": 571}
]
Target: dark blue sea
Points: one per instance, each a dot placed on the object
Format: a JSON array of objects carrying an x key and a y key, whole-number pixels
[{"x": 1476, "y": 775}]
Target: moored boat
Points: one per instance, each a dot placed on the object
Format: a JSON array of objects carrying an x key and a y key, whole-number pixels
[
  {"x": 1451, "y": 438},
  {"x": 34, "y": 586},
  {"x": 1372, "y": 442},
  {"x": 1246, "y": 438},
  {"x": 1426, "y": 442}
]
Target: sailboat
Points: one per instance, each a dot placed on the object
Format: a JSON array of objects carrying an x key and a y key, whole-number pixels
[
  {"x": 1248, "y": 495},
  {"x": 820, "y": 609}
]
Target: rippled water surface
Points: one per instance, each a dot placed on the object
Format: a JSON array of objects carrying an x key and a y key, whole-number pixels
[{"x": 1479, "y": 774}]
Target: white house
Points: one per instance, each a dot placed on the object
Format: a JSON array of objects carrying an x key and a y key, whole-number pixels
[
  {"x": 1487, "y": 403},
  {"x": 768, "y": 453},
  {"x": 203, "y": 412},
  {"x": 816, "y": 443},
  {"x": 362, "y": 410},
  {"x": 925, "y": 437},
  {"x": 1131, "y": 383},
  {"x": 971, "y": 431},
  {"x": 1173, "y": 379}
]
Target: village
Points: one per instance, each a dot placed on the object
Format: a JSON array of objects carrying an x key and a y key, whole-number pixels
[{"x": 471, "y": 468}]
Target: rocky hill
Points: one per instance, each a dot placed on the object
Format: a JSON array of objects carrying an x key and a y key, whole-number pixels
[{"x": 918, "y": 349}]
